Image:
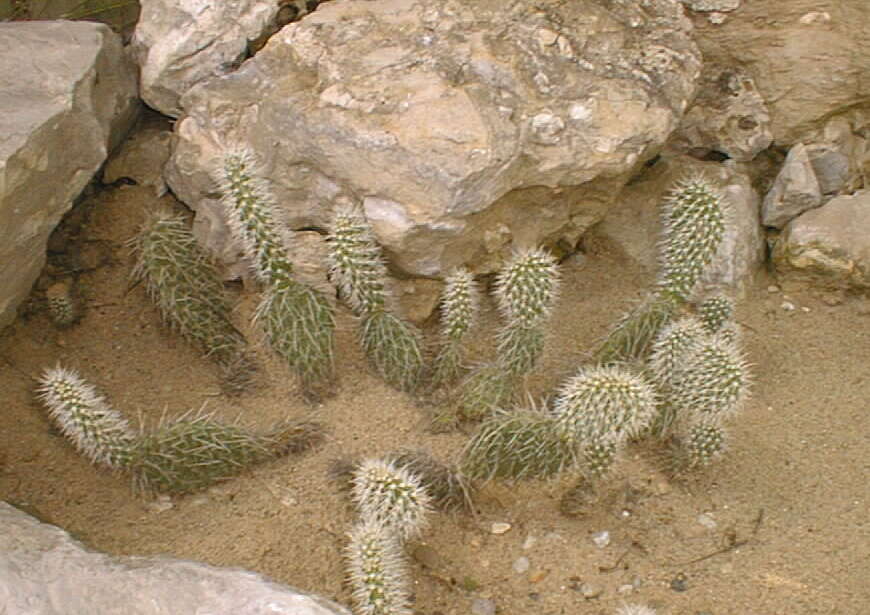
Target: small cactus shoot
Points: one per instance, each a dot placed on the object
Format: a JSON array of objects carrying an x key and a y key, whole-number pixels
[{"x": 377, "y": 571}]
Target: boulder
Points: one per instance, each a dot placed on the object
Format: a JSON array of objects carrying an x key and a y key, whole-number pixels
[
  {"x": 635, "y": 227},
  {"x": 43, "y": 571},
  {"x": 178, "y": 43},
  {"x": 463, "y": 131},
  {"x": 807, "y": 57},
  {"x": 828, "y": 246},
  {"x": 795, "y": 190},
  {"x": 67, "y": 97},
  {"x": 729, "y": 116}
]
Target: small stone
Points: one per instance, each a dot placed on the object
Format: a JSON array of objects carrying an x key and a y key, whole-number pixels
[
  {"x": 773, "y": 288},
  {"x": 160, "y": 504},
  {"x": 590, "y": 591},
  {"x": 679, "y": 583},
  {"x": 521, "y": 565},
  {"x": 788, "y": 306},
  {"x": 625, "y": 589},
  {"x": 500, "y": 527},
  {"x": 538, "y": 575},
  {"x": 805, "y": 309},
  {"x": 601, "y": 539},
  {"x": 529, "y": 542},
  {"x": 707, "y": 521},
  {"x": 483, "y": 606}
]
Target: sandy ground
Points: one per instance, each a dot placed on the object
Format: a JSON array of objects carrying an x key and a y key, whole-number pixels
[{"x": 779, "y": 526}]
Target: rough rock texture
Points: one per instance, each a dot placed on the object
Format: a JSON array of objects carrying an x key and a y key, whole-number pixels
[
  {"x": 829, "y": 246},
  {"x": 181, "y": 42},
  {"x": 43, "y": 571},
  {"x": 464, "y": 131},
  {"x": 728, "y": 116},
  {"x": 141, "y": 159},
  {"x": 807, "y": 57},
  {"x": 795, "y": 190},
  {"x": 67, "y": 97},
  {"x": 635, "y": 225}
]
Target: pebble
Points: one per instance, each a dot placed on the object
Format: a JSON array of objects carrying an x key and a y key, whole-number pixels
[
  {"x": 707, "y": 521},
  {"x": 788, "y": 306},
  {"x": 160, "y": 504},
  {"x": 538, "y": 575},
  {"x": 521, "y": 565},
  {"x": 625, "y": 589},
  {"x": 601, "y": 539},
  {"x": 773, "y": 288},
  {"x": 500, "y": 527},
  {"x": 679, "y": 583},
  {"x": 590, "y": 591},
  {"x": 529, "y": 542},
  {"x": 483, "y": 606}
]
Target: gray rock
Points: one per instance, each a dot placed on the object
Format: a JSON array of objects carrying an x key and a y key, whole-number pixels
[
  {"x": 181, "y": 42},
  {"x": 728, "y": 116},
  {"x": 719, "y": 6},
  {"x": 141, "y": 159},
  {"x": 831, "y": 167},
  {"x": 447, "y": 123},
  {"x": 829, "y": 246},
  {"x": 807, "y": 57},
  {"x": 43, "y": 571},
  {"x": 794, "y": 191},
  {"x": 635, "y": 226},
  {"x": 67, "y": 97}
]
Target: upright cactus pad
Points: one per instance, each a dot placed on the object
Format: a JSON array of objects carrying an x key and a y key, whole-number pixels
[
  {"x": 674, "y": 344},
  {"x": 377, "y": 571},
  {"x": 715, "y": 381},
  {"x": 460, "y": 303},
  {"x": 391, "y": 496},
  {"x": 632, "y": 335},
  {"x": 604, "y": 404},
  {"x": 356, "y": 265},
  {"x": 250, "y": 209},
  {"x": 526, "y": 290},
  {"x": 483, "y": 391},
  {"x": 704, "y": 441},
  {"x": 693, "y": 227},
  {"x": 599, "y": 457},
  {"x": 716, "y": 312},
  {"x": 515, "y": 445},
  {"x": 395, "y": 349},
  {"x": 96, "y": 430}
]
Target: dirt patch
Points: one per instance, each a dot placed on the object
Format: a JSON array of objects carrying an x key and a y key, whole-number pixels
[{"x": 778, "y": 526}]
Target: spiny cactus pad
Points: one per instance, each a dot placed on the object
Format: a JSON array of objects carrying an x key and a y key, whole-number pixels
[
  {"x": 484, "y": 390},
  {"x": 630, "y": 338},
  {"x": 598, "y": 458},
  {"x": 391, "y": 496},
  {"x": 356, "y": 265},
  {"x": 526, "y": 288},
  {"x": 517, "y": 444},
  {"x": 459, "y": 307},
  {"x": 672, "y": 346},
  {"x": 715, "y": 380},
  {"x": 184, "y": 285},
  {"x": 394, "y": 347},
  {"x": 250, "y": 209},
  {"x": 693, "y": 220},
  {"x": 605, "y": 404},
  {"x": 716, "y": 312},
  {"x": 377, "y": 571},
  {"x": 703, "y": 443},
  {"x": 96, "y": 430}
]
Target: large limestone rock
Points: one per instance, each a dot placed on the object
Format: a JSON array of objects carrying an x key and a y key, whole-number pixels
[
  {"x": 635, "y": 225},
  {"x": 829, "y": 246},
  {"x": 807, "y": 57},
  {"x": 43, "y": 571},
  {"x": 181, "y": 42},
  {"x": 67, "y": 97},
  {"x": 463, "y": 129}
]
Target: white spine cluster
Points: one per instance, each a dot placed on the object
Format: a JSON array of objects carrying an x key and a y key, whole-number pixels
[
  {"x": 377, "y": 571},
  {"x": 99, "y": 432},
  {"x": 715, "y": 380},
  {"x": 355, "y": 262},
  {"x": 527, "y": 287},
  {"x": 675, "y": 342},
  {"x": 460, "y": 304},
  {"x": 392, "y": 497}
]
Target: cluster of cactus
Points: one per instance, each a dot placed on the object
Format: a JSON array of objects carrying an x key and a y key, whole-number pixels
[
  {"x": 393, "y": 346},
  {"x": 594, "y": 413},
  {"x": 526, "y": 289},
  {"x": 703, "y": 378},
  {"x": 182, "y": 455},
  {"x": 694, "y": 217},
  {"x": 392, "y": 504},
  {"x": 64, "y": 309},
  {"x": 297, "y": 319},
  {"x": 183, "y": 283}
]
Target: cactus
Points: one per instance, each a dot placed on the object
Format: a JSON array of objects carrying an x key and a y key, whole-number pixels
[
  {"x": 393, "y": 346},
  {"x": 604, "y": 404},
  {"x": 599, "y": 457},
  {"x": 703, "y": 442},
  {"x": 184, "y": 285},
  {"x": 714, "y": 382},
  {"x": 693, "y": 226},
  {"x": 716, "y": 312},
  {"x": 632, "y": 335},
  {"x": 672, "y": 346},
  {"x": 96, "y": 430},
  {"x": 297, "y": 318},
  {"x": 526, "y": 290},
  {"x": 391, "y": 496},
  {"x": 63, "y": 307},
  {"x": 377, "y": 571},
  {"x": 460, "y": 303},
  {"x": 693, "y": 219},
  {"x": 448, "y": 488},
  {"x": 486, "y": 389},
  {"x": 515, "y": 445}
]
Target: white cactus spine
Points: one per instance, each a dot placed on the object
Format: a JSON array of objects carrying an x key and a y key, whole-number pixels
[
  {"x": 391, "y": 496},
  {"x": 377, "y": 571}
]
